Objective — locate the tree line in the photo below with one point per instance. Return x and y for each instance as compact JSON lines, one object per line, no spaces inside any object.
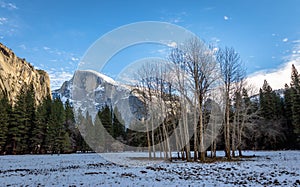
{"x":48,"y":127}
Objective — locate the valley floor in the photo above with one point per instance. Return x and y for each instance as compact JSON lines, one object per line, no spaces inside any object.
{"x":268,"y":168}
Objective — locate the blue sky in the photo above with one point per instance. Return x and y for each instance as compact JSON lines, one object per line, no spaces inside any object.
{"x":54,"y":35}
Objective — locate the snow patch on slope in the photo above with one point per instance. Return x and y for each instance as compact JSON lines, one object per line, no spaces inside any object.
{"x":102,"y":76}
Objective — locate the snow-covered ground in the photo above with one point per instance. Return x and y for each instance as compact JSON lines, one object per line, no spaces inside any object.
{"x":266,"y":169}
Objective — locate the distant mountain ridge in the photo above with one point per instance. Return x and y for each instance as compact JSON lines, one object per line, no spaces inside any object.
{"x":16,"y":72}
{"x":91,"y":91}
{"x":99,"y":85}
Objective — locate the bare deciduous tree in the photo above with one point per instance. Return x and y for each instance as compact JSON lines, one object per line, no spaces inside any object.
{"x":199,"y":70}
{"x":230,"y":66}
{"x":177,"y":57}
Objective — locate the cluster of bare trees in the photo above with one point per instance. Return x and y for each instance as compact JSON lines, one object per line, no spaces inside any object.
{"x":155,"y":92}
{"x":189,"y":101}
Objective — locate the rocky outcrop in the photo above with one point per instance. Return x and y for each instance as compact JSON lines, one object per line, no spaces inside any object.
{"x":88,"y":86}
{"x":90,"y":91}
{"x":16,"y":72}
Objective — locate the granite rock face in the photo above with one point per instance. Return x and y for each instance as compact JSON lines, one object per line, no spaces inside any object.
{"x":16,"y":73}
{"x":90,"y":91}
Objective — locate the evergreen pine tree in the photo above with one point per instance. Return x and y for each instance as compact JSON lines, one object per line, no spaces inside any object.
{"x":55,"y":127}
{"x":101,"y":139}
{"x":70,"y":127}
{"x":105,"y":116}
{"x":288,"y":104}
{"x":295,"y":83}
{"x":19,"y":126}
{"x":266,"y":101}
{"x":39,"y":131}
{"x":81,"y":133}
{"x":69,"y":114}
{"x":4,"y":121}
{"x":288,"y":115}
{"x":91,"y":135}
{"x":31,"y":115}
{"x":278,"y":106}
{"x":295,"y":93}
{"x":246,"y":101}
{"x":67,"y":144}
{"x":118,"y":125}
{"x":271,"y":128}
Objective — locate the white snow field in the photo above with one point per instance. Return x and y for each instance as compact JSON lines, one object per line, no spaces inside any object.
{"x":268,"y":168}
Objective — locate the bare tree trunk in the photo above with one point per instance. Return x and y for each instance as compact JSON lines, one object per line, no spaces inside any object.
{"x":230,"y":66}
{"x":148,"y":137}
{"x":215,"y":121}
{"x":212,"y":142}
{"x":201,"y":137}
{"x":240,"y":130}
{"x":182,"y":138}
{"x":177,"y":141}
{"x":227,"y":129}
{"x":152,"y":135}
{"x":239,"y":141}
{"x":168,"y":151}
{"x":238,"y":133}
{"x":184,"y":115}
{"x":161,"y":147}
{"x":236,"y":128}
{"x":233,"y":140}
{"x":233,"y":134}
{"x":214,"y":149}
{"x":195,"y":130}
{"x":187,"y":137}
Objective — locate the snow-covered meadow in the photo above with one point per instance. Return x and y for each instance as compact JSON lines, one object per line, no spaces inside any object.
{"x":266,"y":169}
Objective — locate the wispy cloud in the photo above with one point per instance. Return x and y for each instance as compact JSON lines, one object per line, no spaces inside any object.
{"x":52,"y":58}
{"x":294,"y":56}
{"x":215,"y":40}
{"x":67,"y":61}
{"x":58,"y":77}
{"x":285,"y":39}
{"x":58,"y":55}
{"x":8,"y":24}
{"x":46,"y":48}
{"x":208,"y":8}
{"x":23,"y":46}
{"x":172,"y":17}
{"x":8,"y":5}
{"x":226,"y":18}
{"x":279,"y":76}
{"x":74,"y":59}
{"x":3,"y":20}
